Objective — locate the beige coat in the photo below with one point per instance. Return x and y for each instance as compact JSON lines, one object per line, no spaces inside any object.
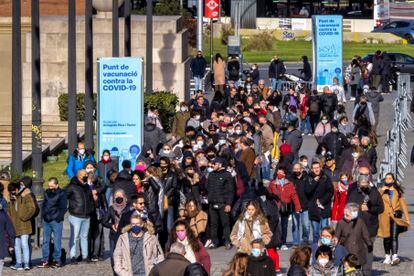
{"x":198,"y":223}
{"x":219,"y":72}
{"x":243,"y":245}
{"x":153,"y":254}
{"x":398,"y":203}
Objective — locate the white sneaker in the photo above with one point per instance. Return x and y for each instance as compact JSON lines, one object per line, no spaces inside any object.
{"x":387,"y":259}
{"x":395,"y":260}
{"x":352,"y":99}
{"x":284,"y":247}
{"x":207,"y":244}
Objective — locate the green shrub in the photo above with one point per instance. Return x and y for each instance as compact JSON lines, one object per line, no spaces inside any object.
{"x":165,"y":101}
{"x":226,"y":31}
{"x":80,"y":106}
{"x":262,"y":41}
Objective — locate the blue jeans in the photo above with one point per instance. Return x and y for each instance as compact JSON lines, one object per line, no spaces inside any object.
{"x":305,"y":126}
{"x":275,"y":83}
{"x":285,"y":221}
{"x":265,"y":168}
{"x":317,"y":226}
{"x":300,"y":221}
{"x":197,"y":83}
{"x":108,"y":195}
{"x":79,"y":229}
{"x":170,"y":217}
{"x":49,"y":228}
{"x":22,"y":244}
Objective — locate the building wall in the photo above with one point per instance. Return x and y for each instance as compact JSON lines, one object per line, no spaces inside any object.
{"x":47,"y":7}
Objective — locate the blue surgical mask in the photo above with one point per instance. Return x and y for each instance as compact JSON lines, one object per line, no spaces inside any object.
{"x":209,"y":169}
{"x":256,"y":252}
{"x":136,"y":229}
{"x":325,"y":241}
{"x":345,"y":182}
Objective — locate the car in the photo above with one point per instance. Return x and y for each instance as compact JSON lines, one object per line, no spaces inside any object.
{"x":402,"y":28}
{"x":403,"y":62}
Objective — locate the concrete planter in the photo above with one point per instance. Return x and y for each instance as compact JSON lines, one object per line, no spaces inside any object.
{"x":105,"y":5}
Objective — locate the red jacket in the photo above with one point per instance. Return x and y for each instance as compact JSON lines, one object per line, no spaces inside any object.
{"x":287,"y":193}
{"x":203,"y":257}
{"x":338,"y":204}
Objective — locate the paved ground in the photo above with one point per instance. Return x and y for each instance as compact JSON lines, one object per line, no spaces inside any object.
{"x":221,"y":257}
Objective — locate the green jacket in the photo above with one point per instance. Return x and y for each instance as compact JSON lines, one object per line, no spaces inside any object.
{"x":21,"y":210}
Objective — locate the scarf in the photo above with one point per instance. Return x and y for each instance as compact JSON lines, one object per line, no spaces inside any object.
{"x":342,"y":187}
{"x":118,"y":208}
{"x":256,"y":231}
{"x":189,"y":252}
{"x":105,"y":161}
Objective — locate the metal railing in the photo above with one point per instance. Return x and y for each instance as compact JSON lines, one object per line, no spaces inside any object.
{"x":396,"y":149}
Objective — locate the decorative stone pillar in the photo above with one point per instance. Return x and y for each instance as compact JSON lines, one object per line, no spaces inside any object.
{"x":104,"y":7}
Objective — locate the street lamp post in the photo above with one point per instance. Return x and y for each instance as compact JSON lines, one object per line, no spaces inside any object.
{"x":17,"y":162}
{"x":200,"y":8}
{"x":89,"y":106}
{"x":72,"y":120}
{"x":127,"y":29}
{"x":148,"y":66}
{"x":115,"y":29}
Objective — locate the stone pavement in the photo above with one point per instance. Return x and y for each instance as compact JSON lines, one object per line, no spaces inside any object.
{"x":220,"y":257}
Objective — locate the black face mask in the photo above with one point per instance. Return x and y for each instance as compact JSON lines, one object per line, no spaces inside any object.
{"x":365,"y":190}
{"x":256,"y":110}
{"x":211,"y":156}
{"x":119,"y":200}
{"x":190,"y":174}
{"x":296,"y":174}
{"x":363,"y":103}
{"x":203,"y":168}
{"x":85,"y":179}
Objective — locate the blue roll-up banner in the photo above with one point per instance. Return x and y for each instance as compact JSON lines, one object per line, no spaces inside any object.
{"x":327,"y":49}
{"x":120,"y":107}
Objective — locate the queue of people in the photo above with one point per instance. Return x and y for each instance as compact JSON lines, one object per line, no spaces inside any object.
{"x":233,"y":174}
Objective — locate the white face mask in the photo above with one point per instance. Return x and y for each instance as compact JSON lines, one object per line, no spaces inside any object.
{"x":81,"y":151}
{"x":230,"y":131}
{"x":197,"y":117}
{"x":89,"y":170}
{"x":167,"y":151}
{"x":323,"y":152}
{"x":323,"y":262}
{"x":200,"y":143}
{"x":209,"y":169}
{"x":324,"y":122}
{"x":222,"y":142}
{"x":238,"y":131}
{"x":355,"y":155}
{"x":184,"y":109}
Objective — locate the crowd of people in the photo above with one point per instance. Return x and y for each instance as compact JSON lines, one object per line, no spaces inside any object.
{"x":231,"y":173}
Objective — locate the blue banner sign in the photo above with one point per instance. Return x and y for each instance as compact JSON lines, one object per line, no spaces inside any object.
{"x":120,"y":108}
{"x":327,"y":49}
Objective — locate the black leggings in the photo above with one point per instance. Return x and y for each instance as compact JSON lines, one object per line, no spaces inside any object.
{"x":391,"y":243}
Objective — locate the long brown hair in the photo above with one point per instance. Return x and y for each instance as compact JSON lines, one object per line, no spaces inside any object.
{"x":192,"y":240}
{"x":258,"y":214}
{"x":238,"y":265}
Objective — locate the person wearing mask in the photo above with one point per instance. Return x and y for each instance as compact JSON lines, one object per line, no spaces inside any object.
{"x":80,"y":208}
{"x":198,"y":68}
{"x":197,"y":219}
{"x":376,"y":69}
{"x":338,"y":90}
{"x":180,"y":119}
{"x":299,"y":261}
{"x":118,"y":207}
{"x":259,"y":263}
{"x":138,"y":208}
{"x":340,"y":197}
{"x":247,"y":155}
{"x":322,"y":129}
{"x":371,"y":153}
{"x":394,"y":220}
{"x":124,"y":181}
{"x":220,"y":189}
{"x":371,"y":206}
{"x":152,"y":188}
{"x":53,"y":213}
{"x":330,"y":169}
{"x":219,"y":67}
{"x":255,"y":73}
{"x":78,"y":160}
{"x":277,"y":70}
{"x":304,"y":163}
{"x":170,"y":183}
{"x":364,"y":111}
{"x":351,"y":164}
{"x":344,"y":126}
{"x":96,"y":244}
{"x":354,"y":78}
{"x":324,"y":264}
{"x":153,"y":136}
{"x":289,"y":200}
{"x":21,"y":210}
{"x":251,"y":225}
{"x":353,"y":234}
{"x":137,"y":250}
{"x":238,"y":265}
{"x":306,"y":71}
{"x":175,"y":264}
{"x":329,"y":102}
{"x":375,"y":98}
{"x":105,"y":165}
{"x":328,"y":238}
{"x":300,"y":220}
{"x":194,"y":248}
{"x":319,"y":190}
{"x":335,"y":141}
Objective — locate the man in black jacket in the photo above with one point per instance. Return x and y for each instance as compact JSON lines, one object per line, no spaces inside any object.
{"x":300,"y":220}
{"x":371,"y":206}
{"x":220,"y":188}
{"x":335,"y":141}
{"x":259,"y":263}
{"x":80,"y":208}
{"x":329,"y":102}
{"x":319,"y":189}
{"x":124,"y":181}
{"x":138,"y":208}
{"x":277,"y":70}
{"x":53,"y":212}
{"x":198,"y":68}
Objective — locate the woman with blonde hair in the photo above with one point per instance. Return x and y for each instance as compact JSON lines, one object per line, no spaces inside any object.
{"x":238,"y":265}
{"x":251,"y":225}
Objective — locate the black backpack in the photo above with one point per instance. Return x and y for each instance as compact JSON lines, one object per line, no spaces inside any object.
{"x":195,"y":269}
